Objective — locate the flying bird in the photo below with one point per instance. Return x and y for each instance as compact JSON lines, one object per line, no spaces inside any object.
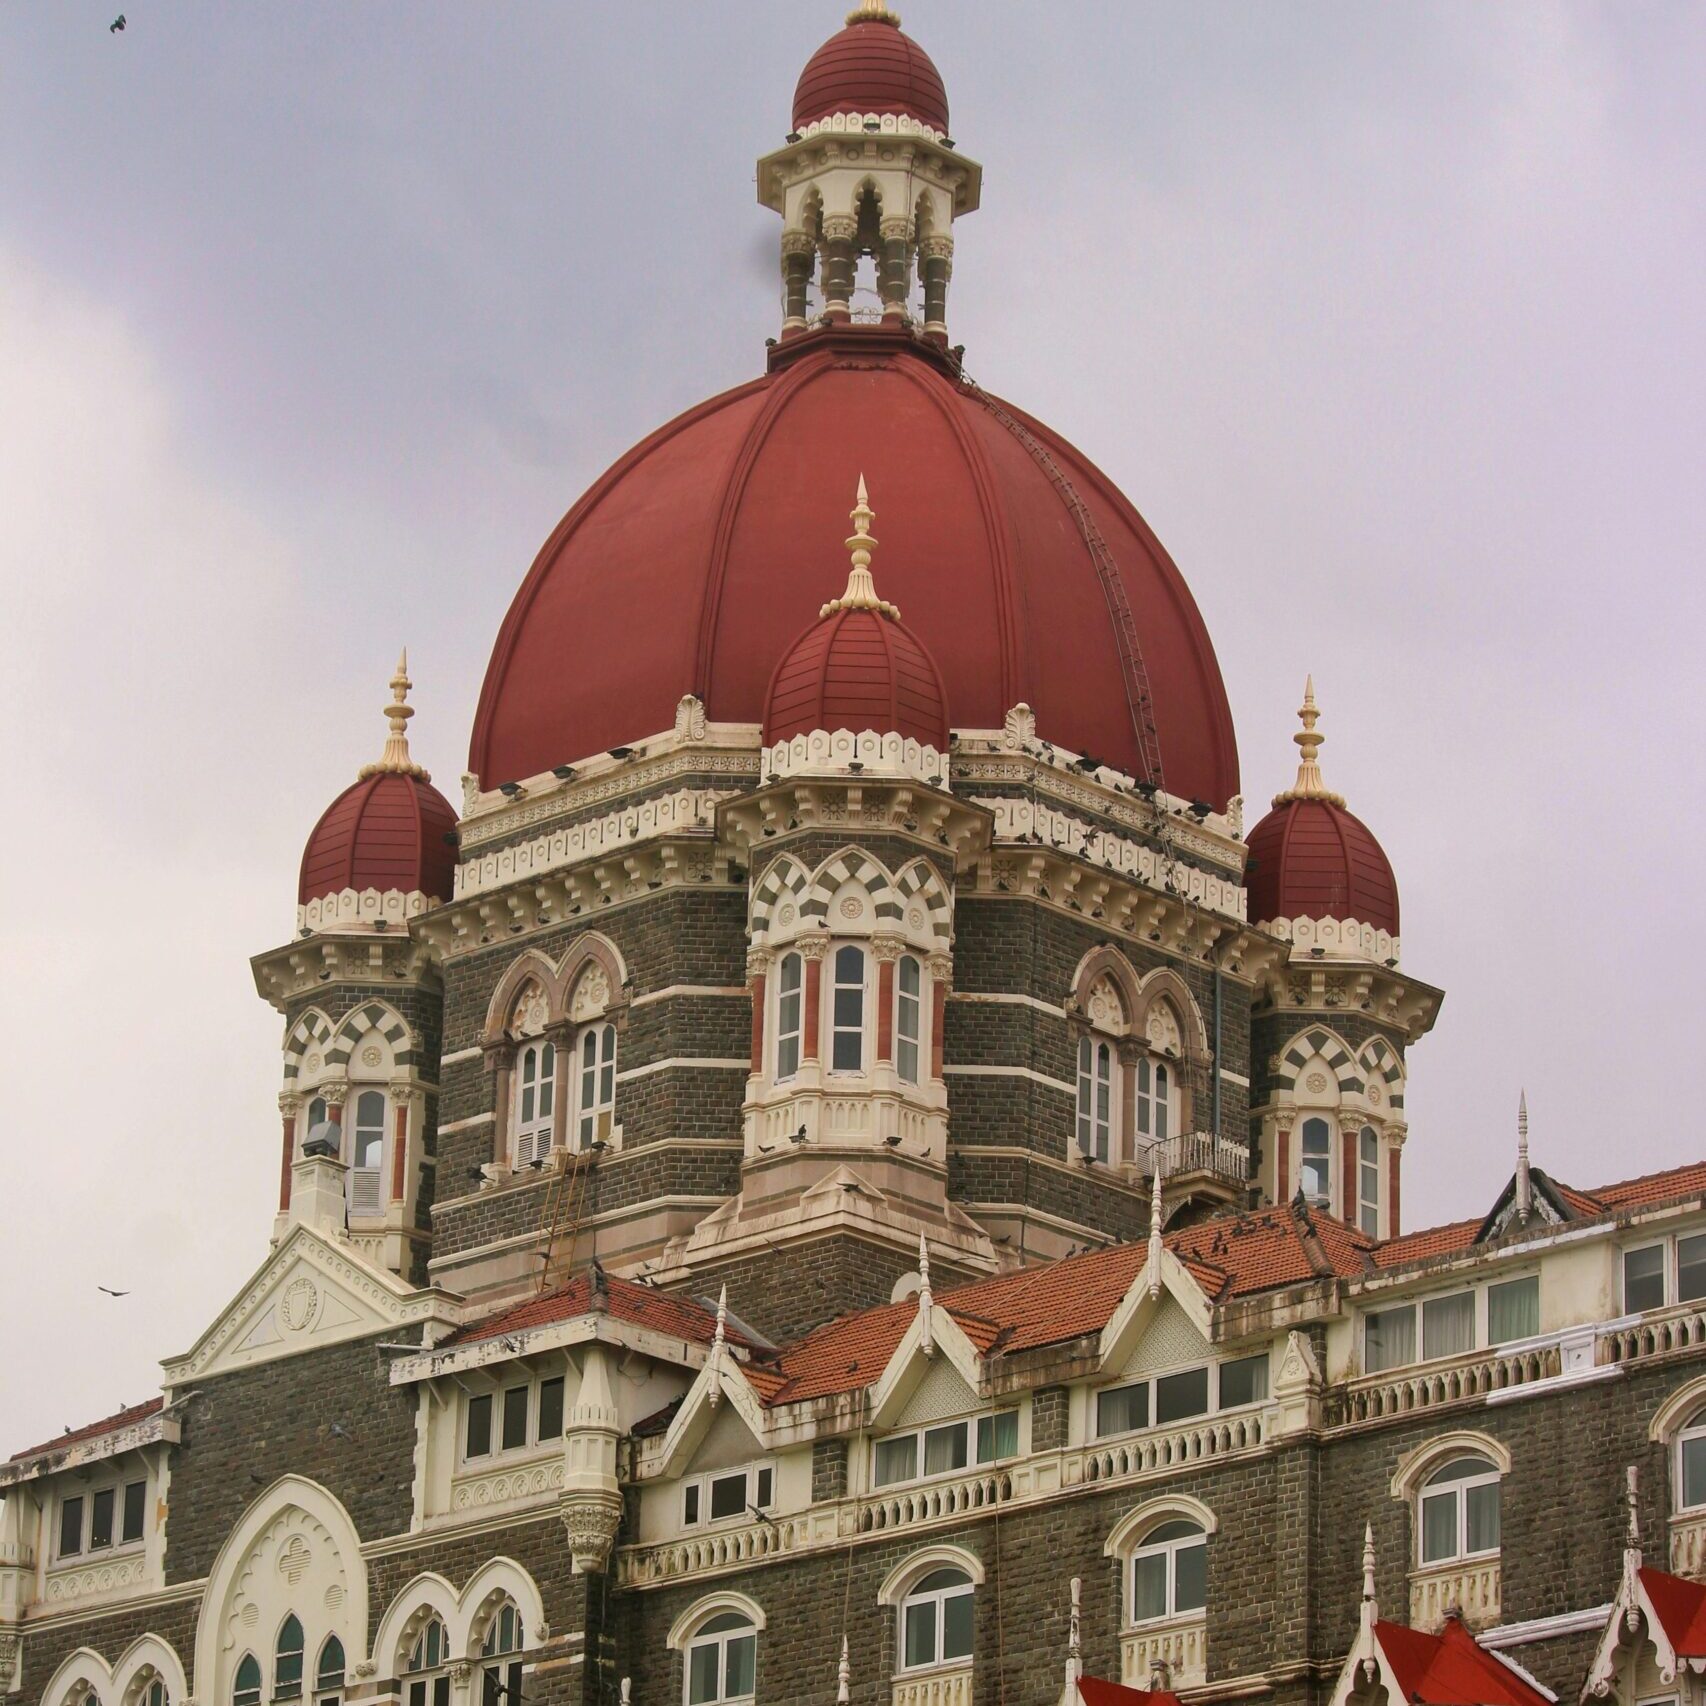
{"x":107,"y":1288}
{"x":116,"y":25}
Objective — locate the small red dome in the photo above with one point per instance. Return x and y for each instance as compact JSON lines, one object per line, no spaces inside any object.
{"x":870,"y":67}
{"x":1313,"y":859}
{"x":384,"y":832}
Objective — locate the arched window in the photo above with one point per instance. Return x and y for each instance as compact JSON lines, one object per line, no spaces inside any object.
{"x":316,"y":1115}
{"x":1095,"y":1098}
{"x":789,"y":1016}
{"x":595,"y":1098}
{"x":426,"y":1675}
{"x":1154,"y":1100}
{"x":908,"y":1017}
{"x":722,"y":1660}
{"x":500,"y":1654}
{"x":287,"y":1660}
{"x":1315,"y":1178}
{"x":151,"y":1690}
{"x":367,"y":1152}
{"x":246,"y":1689}
{"x":1169,"y":1572}
{"x":1368,"y":1181}
{"x":535,"y":1100}
{"x":1458,"y":1511}
{"x":936,"y":1620}
{"x":1691,"y":1464}
{"x":329,"y":1672}
{"x":847,"y":1012}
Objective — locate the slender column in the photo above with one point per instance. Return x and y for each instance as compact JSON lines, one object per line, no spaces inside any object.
{"x":756,"y":964}
{"x":1282,"y":1160}
{"x":288,"y":1105}
{"x":400,"y":1148}
{"x":562,"y":1081}
{"x":500,"y":1063}
{"x":886,"y":950}
{"x":936,"y":262}
{"x":941,"y":970}
{"x":1348,"y":1175}
{"x":799,"y":249}
{"x":891,"y":282}
{"x":1392,"y":1221}
{"x":840,"y":232}
{"x":812,"y":949}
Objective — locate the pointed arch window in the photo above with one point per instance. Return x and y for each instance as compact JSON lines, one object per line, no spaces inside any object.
{"x":595,"y":1090}
{"x":847,"y":1011}
{"x":246,"y":1688}
{"x":908,"y":1017}
{"x":154,"y":1692}
{"x":329,"y":1672}
{"x":1096,"y":1104}
{"x":1315,"y":1177}
{"x":790,"y":1015}
{"x":316,"y":1115}
{"x":367,"y":1152}
{"x":427,"y":1676}
{"x":535,"y":1100}
{"x":287,"y":1660}
{"x":500,"y":1658}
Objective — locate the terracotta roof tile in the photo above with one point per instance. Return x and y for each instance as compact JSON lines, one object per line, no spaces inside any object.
{"x":1668,"y":1186}
{"x":673,"y":1313}
{"x":1681,"y":1607}
{"x":107,"y":1425}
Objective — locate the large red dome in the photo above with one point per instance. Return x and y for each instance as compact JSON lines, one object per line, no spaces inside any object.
{"x":689,"y":565}
{"x":870,"y":67}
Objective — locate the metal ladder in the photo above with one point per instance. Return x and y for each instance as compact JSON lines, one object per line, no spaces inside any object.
{"x":559,"y":1215}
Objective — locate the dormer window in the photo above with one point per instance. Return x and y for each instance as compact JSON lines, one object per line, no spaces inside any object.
{"x":102,"y":1520}
{"x":535,"y":1100}
{"x":595,"y":1100}
{"x":847,"y":1011}
{"x":790,"y":1013}
{"x":728,"y":1494}
{"x":924,"y":1453}
{"x":522,"y":1414}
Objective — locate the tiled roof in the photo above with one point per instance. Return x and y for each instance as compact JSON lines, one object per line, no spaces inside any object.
{"x":1452,"y":1669}
{"x":94,"y":1430}
{"x":1430,"y":1241}
{"x":1093,"y":1691}
{"x":1268,"y":1248}
{"x":1669,"y":1186}
{"x":1681,"y":1607}
{"x":672,"y":1313}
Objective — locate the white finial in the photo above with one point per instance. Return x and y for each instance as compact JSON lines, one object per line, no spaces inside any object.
{"x":1309,"y":785}
{"x":873,"y":12}
{"x":1074,"y":1652}
{"x":1368,"y":1565}
{"x":1524,"y":1183}
{"x":395,"y":759}
{"x":843,"y":1676}
{"x":715,"y":1361}
{"x":861,"y":593}
{"x":1369,"y":1615}
{"x":1155,"y":1207}
{"x":1632,"y":1550}
{"x":926,"y":1303}
{"x":627,"y":1689}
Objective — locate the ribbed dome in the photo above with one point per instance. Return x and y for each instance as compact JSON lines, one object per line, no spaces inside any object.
{"x":686,"y":569}
{"x":870,"y":67}
{"x":383,"y":832}
{"x":1314,"y":859}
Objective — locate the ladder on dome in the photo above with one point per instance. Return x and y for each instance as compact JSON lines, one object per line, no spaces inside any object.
{"x":560,"y":1214}
{"x":1135,"y":675}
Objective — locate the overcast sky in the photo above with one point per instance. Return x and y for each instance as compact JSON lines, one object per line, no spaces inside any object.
{"x":315,"y":317}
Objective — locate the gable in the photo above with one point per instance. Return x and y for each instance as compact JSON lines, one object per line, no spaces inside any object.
{"x":727,"y":1441}
{"x":1170,"y":1338}
{"x":941,"y":1393}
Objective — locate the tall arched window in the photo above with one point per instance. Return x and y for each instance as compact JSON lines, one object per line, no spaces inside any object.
{"x":500,"y":1658}
{"x":1315,"y":1177}
{"x":790,"y":1013}
{"x":1368,"y":1181}
{"x":329,"y":1672}
{"x":1095,"y":1098}
{"x":595,"y":1090}
{"x":1458,"y":1511}
{"x":722,"y":1660}
{"x":151,"y":1690}
{"x":427,"y":1678}
{"x":535,"y":1100}
{"x":367,"y":1152}
{"x":936,"y":1620}
{"x":287,"y":1660}
{"x":246,"y":1688}
{"x":908,"y":1017}
{"x":847,"y":1012}
{"x":1154,"y":1099}
{"x":1169,"y":1572}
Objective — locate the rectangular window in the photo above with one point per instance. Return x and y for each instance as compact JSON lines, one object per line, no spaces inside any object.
{"x":1691,"y":1268}
{"x":921,"y":1634}
{"x":1694,"y":1472}
{"x":1121,"y":1410}
{"x":945,"y":1449}
{"x":907,"y":1019}
{"x":551,"y":1409}
{"x":766,"y":1488}
{"x":101,"y":1519}
{"x":847,"y":1012}
{"x":998,"y":1436}
{"x":897,"y":1459}
{"x":1644,"y":1278}
{"x":1178,"y":1396}
{"x":515,"y":1417}
{"x":1244,"y":1381}
{"x":1513,"y":1310}
{"x":70,"y":1527}
{"x":740,"y":1669}
{"x":956,"y":1626}
{"x":690,"y":1503}
{"x":1448,"y":1325}
{"x":788,"y":1014}
{"x":1389,"y":1338}
{"x":1483,"y":1517}
{"x":728,"y":1496}
{"x":479,"y":1441}
{"x":135,"y":1508}
{"x":1439,"y":1526}
{"x":1149,"y":1587}
{"x":1190,"y":1578}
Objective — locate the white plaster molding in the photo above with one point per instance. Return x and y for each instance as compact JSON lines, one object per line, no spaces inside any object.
{"x":1011,"y":1072}
{"x":457,"y":1057}
{"x":350,"y":909}
{"x":1132,"y":1527}
{"x":689,"y":1062}
{"x":1335,"y":936}
{"x":710,"y":1605}
{"x":880,"y":755}
{"x":162,"y":1426}
{"x":897,"y":1584}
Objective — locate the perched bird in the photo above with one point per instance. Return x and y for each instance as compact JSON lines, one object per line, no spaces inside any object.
{"x":800,"y":1135}
{"x":107,"y":1288}
{"x":893,"y":1140}
{"x":116,"y":25}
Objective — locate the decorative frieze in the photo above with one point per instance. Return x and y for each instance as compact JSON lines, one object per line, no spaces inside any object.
{"x":951,"y":1687}
{"x":833,"y":751}
{"x":1470,"y":1588}
{"x":350,"y":909}
{"x":1166,"y":1656}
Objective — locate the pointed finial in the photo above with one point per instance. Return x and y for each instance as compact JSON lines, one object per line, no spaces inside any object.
{"x":1309,"y":785}
{"x":714,"y":1363}
{"x":843,"y":1676}
{"x":861,"y":593}
{"x":1524,"y":1181}
{"x":926,"y":1303}
{"x":395,"y":759}
{"x":1632,"y":1560}
{"x":627,"y":1689}
{"x":1074,"y":1651}
{"x":1368,"y":1564}
{"x":1155,"y":1207}
{"x":873,"y":12}
{"x":1632,"y":1498}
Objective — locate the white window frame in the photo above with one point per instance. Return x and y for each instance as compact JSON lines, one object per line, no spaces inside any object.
{"x":498,"y":1394}
{"x":1670,"y":1244}
{"x":366,"y":1180}
{"x":965,"y":1588}
{"x":534,"y":1099}
{"x":327,"y":1690}
{"x":905,"y":1039}
{"x":835,"y":1030}
{"x":1696,"y":1430}
{"x":1368,"y":1200}
{"x":500,"y":1667}
{"x":1157,"y":1098}
{"x":1152,"y":1382}
{"x":1480,"y":1339}
{"x":789,"y":1032}
{"x":280,"y":1689}
{"x":1325,"y":1201}
{"x":1169,"y":1549}
{"x":1096,"y":1133}
{"x":241,"y":1696}
{"x":759,"y":1494}
{"x":595,"y":1107}
{"x":973,"y":1461}
{"x":118,"y":1545}
{"x":721,"y":1639}
{"x":430,"y":1684}
{"x":1459,"y":1490}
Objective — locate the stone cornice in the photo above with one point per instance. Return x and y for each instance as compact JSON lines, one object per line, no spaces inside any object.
{"x":1327,"y":986}
{"x":160,"y":1428}
{"x":882,"y":805}
{"x":380,"y":958}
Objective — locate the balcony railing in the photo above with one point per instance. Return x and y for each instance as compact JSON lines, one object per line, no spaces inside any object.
{"x":1156,"y":1453}
{"x":934,"y":1688}
{"x":1657,"y":1334}
{"x":1166,"y":1656}
{"x":1202,"y":1152}
{"x":1426,"y":1386}
{"x":1688,"y":1544}
{"x":1470,"y":1586}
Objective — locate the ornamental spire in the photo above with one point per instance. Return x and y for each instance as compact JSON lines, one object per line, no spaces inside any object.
{"x":1524,"y":1180}
{"x":1155,"y":1222}
{"x":926,"y":1302}
{"x":714,"y":1362}
{"x":395,"y":759}
{"x":861,"y":593}
{"x":873,"y":12}
{"x":844,"y":1676}
{"x":1309,"y":785}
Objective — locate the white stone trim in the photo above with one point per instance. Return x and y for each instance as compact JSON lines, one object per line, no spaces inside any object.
{"x":693,"y":1061}
{"x":350,"y":909}
{"x":468,"y":1124}
{"x":674,"y":989}
{"x":881,"y":756}
{"x":458,"y":1057}
{"x":1012,"y":1072}
{"x":1546,"y":1628}
{"x":996,"y":998}
{"x":1335,"y":936}
{"x":888,"y":124}
{"x":51,"y":1459}
{"x":710,"y":1605}
{"x":897,"y":1584}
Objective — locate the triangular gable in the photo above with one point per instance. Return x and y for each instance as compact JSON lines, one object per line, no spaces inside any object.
{"x":1094,"y":1691}
{"x":721,"y":1378}
{"x":311,"y":1291}
{"x":726,"y":1442}
{"x":1654,"y":1612}
{"x":1139,"y":1308}
{"x":1551,"y":1207}
{"x":942,"y":1392}
{"x":1413,"y":1668}
{"x":1169,"y":1339}
{"x":910,"y":1363}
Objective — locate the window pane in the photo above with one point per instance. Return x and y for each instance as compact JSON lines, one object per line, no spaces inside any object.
{"x":135,"y":1506}
{"x":551,"y":1408}
{"x":70,"y":1527}
{"x":766,"y":1488}
{"x":897,"y":1459}
{"x":441,"y":1691}
{"x":849,"y":1051}
{"x":921,"y":1634}
{"x":1513,"y":1310}
{"x":1121,"y":1409}
{"x":1448,"y":1325}
{"x":479,"y":1425}
{"x":1483,"y":1517}
{"x":1190,"y":1580}
{"x":702,"y":1672}
{"x":1694,"y":1471}
{"x":1180,"y":1395}
{"x":101,"y":1518}
{"x":329,"y":1672}
{"x":1389,"y":1338}
{"x":1644,"y":1278}
{"x":1244,"y":1381}
{"x":956,"y":1626}
{"x":998,"y":1436}
{"x":945,"y":1449}
{"x":515,"y":1417}
{"x":741,"y":1668}
{"x":728,"y":1496}
{"x":690,"y":1503}
{"x":1690,"y":1268}
{"x":1439,"y":1527}
{"x":1149,"y":1587}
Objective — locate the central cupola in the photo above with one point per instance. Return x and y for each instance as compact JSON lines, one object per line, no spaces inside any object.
{"x":869,"y":172}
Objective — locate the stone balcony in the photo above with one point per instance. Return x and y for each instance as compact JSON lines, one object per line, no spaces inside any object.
{"x":1198,"y":1163}
{"x":1466,"y":1585}
{"x":947,"y":1687}
{"x":1688,"y":1544}
{"x":1169,"y":1655}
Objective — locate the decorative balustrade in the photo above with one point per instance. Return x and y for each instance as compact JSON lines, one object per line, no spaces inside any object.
{"x":1155,"y":1453}
{"x":1201,"y":1152}
{"x":1178,"y":1651}
{"x":907,"y":1507}
{"x":1470,"y":1587}
{"x":728,"y":1548}
{"x":1658,"y":1334}
{"x":1688,"y":1544}
{"x":1424,"y":1386}
{"x":934,"y":1688}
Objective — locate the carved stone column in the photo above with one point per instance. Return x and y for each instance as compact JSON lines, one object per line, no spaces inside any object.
{"x":896,"y":255}
{"x":941,"y":970}
{"x":886,"y":951}
{"x":840,"y":232}
{"x":289,"y":1106}
{"x":591,"y":1501}
{"x":500,"y":1066}
{"x":799,"y":250}
{"x":811,"y":950}
{"x":757,"y":971}
{"x":936,"y":264}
